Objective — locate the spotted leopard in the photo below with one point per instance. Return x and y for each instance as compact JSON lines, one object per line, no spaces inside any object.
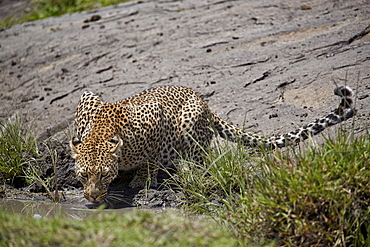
{"x":157,"y":125}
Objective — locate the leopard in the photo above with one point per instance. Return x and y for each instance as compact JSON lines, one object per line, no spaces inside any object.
{"x":155,"y":127}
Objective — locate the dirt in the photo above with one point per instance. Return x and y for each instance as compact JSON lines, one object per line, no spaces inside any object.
{"x":267,"y":66}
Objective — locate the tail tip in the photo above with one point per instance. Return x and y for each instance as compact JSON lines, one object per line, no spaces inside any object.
{"x":345,"y":108}
{"x":343,"y":91}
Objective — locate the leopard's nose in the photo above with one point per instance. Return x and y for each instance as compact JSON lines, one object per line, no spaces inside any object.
{"x":95,"y":194}
{"x":94,"y":199}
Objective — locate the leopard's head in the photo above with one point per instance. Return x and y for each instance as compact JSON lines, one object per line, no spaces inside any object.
{"x":96,"y":165}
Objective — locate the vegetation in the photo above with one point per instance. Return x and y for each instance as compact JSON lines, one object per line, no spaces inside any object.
{"x":9,"y":21}
{"x":33,"y":175}
{"x":47,"y":8}
{"x":319,"y":197}
{"x":18,"y":149}
{"x":139,"y":228}
{"x":17,"y":143}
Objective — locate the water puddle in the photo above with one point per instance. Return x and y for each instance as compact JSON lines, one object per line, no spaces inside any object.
{"x":74,"y":207}
{"x":39,"y":209}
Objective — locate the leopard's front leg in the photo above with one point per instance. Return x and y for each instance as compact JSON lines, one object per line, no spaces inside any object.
{"x":146,"y":176}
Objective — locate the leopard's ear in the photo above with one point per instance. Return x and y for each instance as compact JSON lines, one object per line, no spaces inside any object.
{"x":74,"y":147}
{"x":118,"y":143}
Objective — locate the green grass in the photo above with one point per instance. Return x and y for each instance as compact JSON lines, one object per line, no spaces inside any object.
{"x":17,"y":143}
{"x":33,"y":173}
{"x":9,"y":21}
{"x":317,"y":197}
{"x":18,"y":149}
{"x":48,"y":8}
{"x":141,"y":228}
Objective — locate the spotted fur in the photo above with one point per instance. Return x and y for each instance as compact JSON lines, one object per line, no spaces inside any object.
{"x":156,"y":126}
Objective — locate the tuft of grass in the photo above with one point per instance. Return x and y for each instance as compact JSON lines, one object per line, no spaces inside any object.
{"x":139,"y":228}
{"x":317,"y":197}
{"x":48,"y":8}
{"x":17,"y":142}
{"x":42,"y":9}
{"x":33,"y":171}
{"x":9,"y":21}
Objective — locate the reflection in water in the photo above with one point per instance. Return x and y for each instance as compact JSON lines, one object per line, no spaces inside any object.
{"x":39,"y":209}
{"x":75,"y":206}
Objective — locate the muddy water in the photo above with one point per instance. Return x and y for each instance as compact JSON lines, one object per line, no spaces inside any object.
{"x":39,"y":209}
{"x":74,"y":207}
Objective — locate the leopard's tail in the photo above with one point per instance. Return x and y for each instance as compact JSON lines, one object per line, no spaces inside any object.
{"x":344,"y":111}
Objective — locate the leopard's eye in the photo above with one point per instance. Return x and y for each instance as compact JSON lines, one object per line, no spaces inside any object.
{"x":104,"y":174}
{"x":84,"y":175}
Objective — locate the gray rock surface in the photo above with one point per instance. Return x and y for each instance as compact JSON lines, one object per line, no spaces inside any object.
{"x":266,"y":65}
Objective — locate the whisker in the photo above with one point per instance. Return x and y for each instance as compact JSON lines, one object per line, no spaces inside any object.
{"x":116,"y":197}
{"x":106,"y":200}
